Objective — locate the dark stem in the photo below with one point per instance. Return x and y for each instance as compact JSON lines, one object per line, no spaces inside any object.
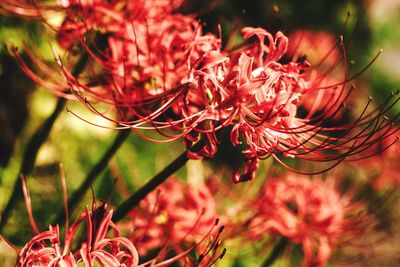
{"x":92,"y":175}
{"x":276,"y":252}
{"x":29,"y":158}
{"x":152,"y":184}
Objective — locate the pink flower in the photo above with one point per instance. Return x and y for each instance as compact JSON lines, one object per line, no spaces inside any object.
{"x":37,"y":253}
{"x":98,"y":248}
{"x":141,"y":46}
{"x":251,"y":91}
{"x":177,"y":214}
{"x":114,"y":251}
{"x":309,"y":212}
{"x":258,"y":97}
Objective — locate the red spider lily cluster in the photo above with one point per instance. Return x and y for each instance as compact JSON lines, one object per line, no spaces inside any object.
{"x":159,"y":71}
{"x":306,"y":211}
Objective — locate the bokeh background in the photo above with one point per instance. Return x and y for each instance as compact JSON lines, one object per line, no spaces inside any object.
{"x":373,"y":25}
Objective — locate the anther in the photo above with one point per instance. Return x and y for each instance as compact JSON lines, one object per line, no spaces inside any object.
{"x":223,"y":253}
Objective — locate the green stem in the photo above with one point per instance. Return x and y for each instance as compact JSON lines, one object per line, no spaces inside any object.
{"x":276,"y":252}
{"x":92,"y":175}
{"x":123,"y":209}
{"x":29,"y":158}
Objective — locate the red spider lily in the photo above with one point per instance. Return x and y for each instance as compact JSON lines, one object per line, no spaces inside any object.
{"x":82,"y":17}
{"x":151,"y":61}
{"x":44,"y":249}
{"x":149,"y":56}
{"x":35,"y":253}
{"x":309,"y":212}
{"x":142,"y":66}
{"x":121,"y":251}
{"x":145,"y":53}
{"x":260,"y":98}
{"x":115,"y":251}
{"x":177,"y":214}
{"x":38,"y":253}
{"x":141,"y":49}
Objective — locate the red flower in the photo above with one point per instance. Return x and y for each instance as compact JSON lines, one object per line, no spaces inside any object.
{"x":37,"y":253}
{"x":251,"y":91}
{"x":177,"y":214}
{"x":309,"y":212}
{"x":113,"y":251}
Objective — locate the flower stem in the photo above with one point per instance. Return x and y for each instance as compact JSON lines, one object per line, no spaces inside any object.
{"x":276,"y":252}
{"x":29,"y":158}
{"x":92,"y":175}
{"x":123,"y":209}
